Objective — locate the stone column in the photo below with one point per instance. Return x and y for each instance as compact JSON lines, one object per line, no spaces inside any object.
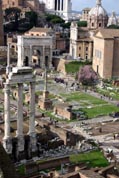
{"x":20,"y":47}
{"x":43,"y":61}
{"x":8,"y":68}
{"x":32,"y":132}
{"x":90,"y":50}
{"x":7,"y":141}
{"x":19,"y":133}
{"x":30,"y":57}
{"x":50,"y":58}
{"x":57,"y":5}
{"x":83,"y":55}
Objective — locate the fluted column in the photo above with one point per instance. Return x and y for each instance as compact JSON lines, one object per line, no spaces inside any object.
{"x":30,"y":58}
{"x":32,"y":132}
{"x":7,"y":142}
{"x":32,"y":108}
{"x":7,"y":111}
{"x":43,"y":61}
{"x":57,"y":5}
{"x":19,"y":134}
{"x":20,"y":110}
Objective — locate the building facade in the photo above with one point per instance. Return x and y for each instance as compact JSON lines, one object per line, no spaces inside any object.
{"x":81,"y":39}
{"x":85,"y":13}
{"x":60,"y":7}
{"x":113,"y":19}
{"x":106,"y":53}
{"x":98,"y":17}
{"x":81,"y":42}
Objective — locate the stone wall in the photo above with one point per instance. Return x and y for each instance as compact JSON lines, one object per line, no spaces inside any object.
{"x":61,"y":66}
{"x":49,"y":164}
{"x":6,"y":165}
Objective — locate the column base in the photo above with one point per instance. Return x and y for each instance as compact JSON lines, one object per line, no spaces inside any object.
{"x":7,"y":144}
{"x":33,"y":141}
{"x":20,"y":143}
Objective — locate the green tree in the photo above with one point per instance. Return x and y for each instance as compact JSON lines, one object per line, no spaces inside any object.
{"x":113,"y":26}
{"x":54,"y":19}
{"x":66,"y":25}
{"x":33,"y":18}
{"x":82,"y":23}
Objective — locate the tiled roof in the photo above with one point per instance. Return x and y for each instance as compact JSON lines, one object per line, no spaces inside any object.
{"x":108,"y":33}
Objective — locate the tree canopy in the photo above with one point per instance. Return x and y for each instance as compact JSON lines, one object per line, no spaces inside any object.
{"x":113,"y":26}
{"x":54,"y":19}
{"x":82,"y":23}
{"x":87,"y":76}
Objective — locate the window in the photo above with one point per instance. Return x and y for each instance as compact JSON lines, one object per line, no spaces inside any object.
{"x":98,"y":54}
{"x":97,"y":69}
{"x":100,"y":24}
{"x":92,"y":24}
{"x":79,"y":55}
{"x":34,"y":61}
{"x":86,"y":56}
{"x":79,"y":48}
{"x":86,"y":48}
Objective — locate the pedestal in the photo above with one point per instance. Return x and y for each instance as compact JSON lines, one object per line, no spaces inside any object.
{"x":20,"y":148}
{"x":20,"y":143}
{"x":45,"y":104}
{"x":33,"y":145}
{"x":7,"y":144}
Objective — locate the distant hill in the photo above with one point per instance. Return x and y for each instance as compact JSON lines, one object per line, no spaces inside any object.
{"x":77,"y":12}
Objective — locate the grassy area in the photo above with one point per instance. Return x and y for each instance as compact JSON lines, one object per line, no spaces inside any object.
{"x":114,"y":93}
{"x":92,"y":106}
{"x":74,"y":66}
{"x":92,"y":159}
{"x":100,"y":110}
{"x":84,"y":98}
{"x":21,"y":170}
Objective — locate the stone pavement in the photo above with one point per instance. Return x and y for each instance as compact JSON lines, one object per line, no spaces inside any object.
{"x":106,"y":142}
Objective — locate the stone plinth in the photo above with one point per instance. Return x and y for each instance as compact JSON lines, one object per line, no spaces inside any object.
{"x":45,"y":94}
{"x":7,"y":144}
{"x":45,"y":103}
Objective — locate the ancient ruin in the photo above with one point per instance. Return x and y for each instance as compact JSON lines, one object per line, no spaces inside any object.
{"x":17,"y":76}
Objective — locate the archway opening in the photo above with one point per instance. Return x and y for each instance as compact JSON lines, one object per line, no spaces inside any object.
{"x":26,"y":61}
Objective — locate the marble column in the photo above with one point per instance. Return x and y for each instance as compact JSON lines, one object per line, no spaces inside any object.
{"x":7,"y":141}
{"x":50,"y":58}
{"x":8,"y":68}
{"x":43,"y":61}
{"x":30,"y":56}
{"x":57,"y":5}
{"x":83,"y":54}
{"x":32,"y":132}
{"x":19,"y":133}
{"x":21,"y":56}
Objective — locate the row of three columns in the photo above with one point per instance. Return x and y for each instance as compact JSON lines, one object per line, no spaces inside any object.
{"x":7,"y":140}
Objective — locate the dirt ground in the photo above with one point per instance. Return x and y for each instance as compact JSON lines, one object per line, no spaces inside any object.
{"x":105,"y":128}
